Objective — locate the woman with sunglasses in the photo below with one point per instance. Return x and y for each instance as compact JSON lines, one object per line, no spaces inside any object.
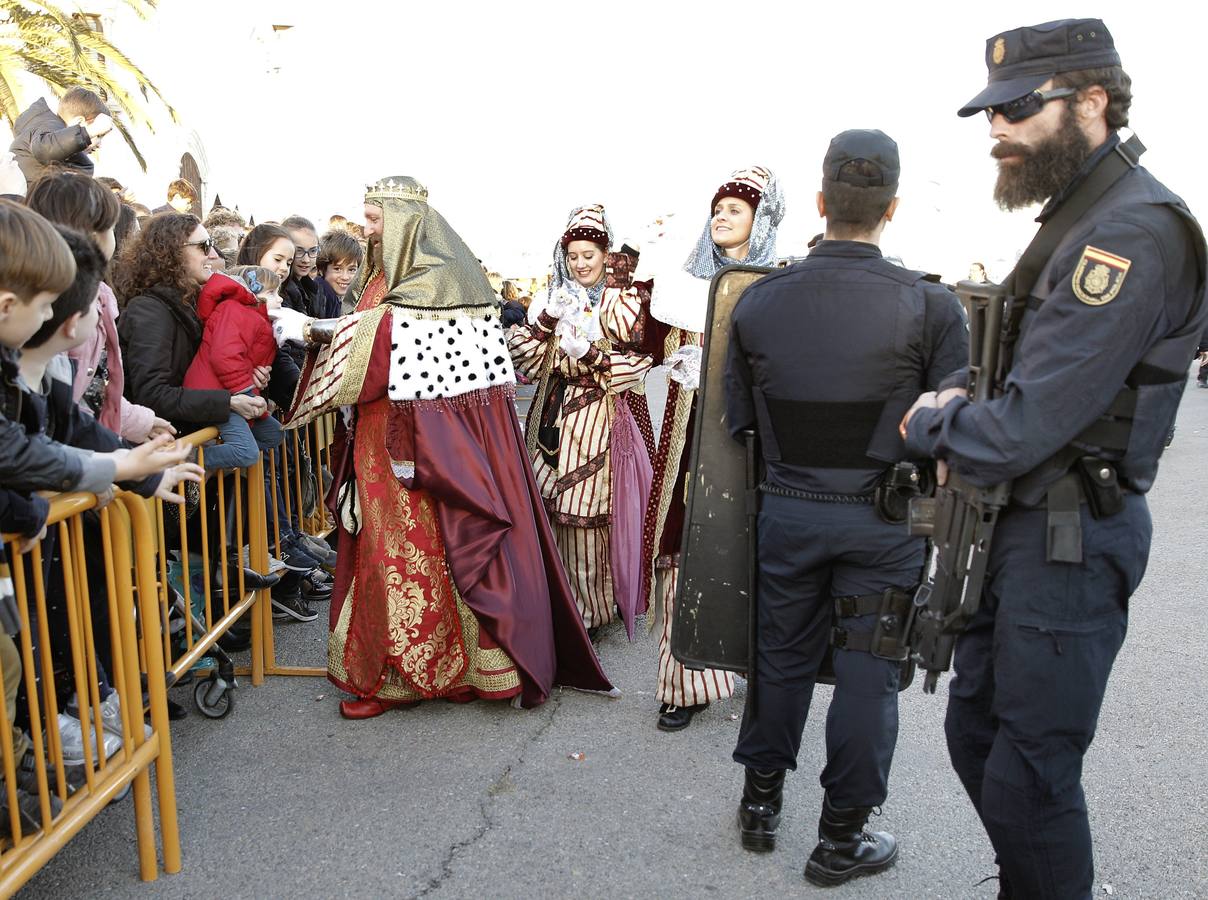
{"x":158,"y":278}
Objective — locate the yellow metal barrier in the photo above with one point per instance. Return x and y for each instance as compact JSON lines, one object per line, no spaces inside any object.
{"x":139,"y":551}
{"x":222,"y":603}
{"x":69,"y":796}
{"x":312,"y":444}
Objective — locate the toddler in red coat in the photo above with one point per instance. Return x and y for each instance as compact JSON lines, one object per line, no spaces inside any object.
{"x":238,"y":339}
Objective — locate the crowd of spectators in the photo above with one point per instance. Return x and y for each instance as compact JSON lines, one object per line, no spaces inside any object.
{"x":121,"y":330}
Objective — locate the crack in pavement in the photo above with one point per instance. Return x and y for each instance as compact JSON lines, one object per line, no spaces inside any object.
{"x":502,"y":784}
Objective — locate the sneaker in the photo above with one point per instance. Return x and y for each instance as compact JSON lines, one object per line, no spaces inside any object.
{"x":252,"y":580}
{"x":238,"y":637}
{"x":292,"y":606}
{"x":72,"y":734}
{"x":296,"y":559}
{"x":274,"y":565}
{"x":319,"y":549}
{"x":27,"y":776}
{"x":315,"y":591}
{"x":29,"y":809}
{"x":111,"y":715}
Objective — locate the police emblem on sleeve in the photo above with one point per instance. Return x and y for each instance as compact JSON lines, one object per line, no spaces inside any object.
{"x":1099,"y":276}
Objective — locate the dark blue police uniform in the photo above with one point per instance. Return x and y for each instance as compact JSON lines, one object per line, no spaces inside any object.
{"x":823,"y":355}
{"x":1113,"y":316}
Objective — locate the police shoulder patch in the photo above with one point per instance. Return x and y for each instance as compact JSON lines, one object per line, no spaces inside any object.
{"x":1099,"y":276}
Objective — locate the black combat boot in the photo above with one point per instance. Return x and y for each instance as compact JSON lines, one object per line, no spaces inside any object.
{"x":845,"y":850}
{"x":759,"y":812}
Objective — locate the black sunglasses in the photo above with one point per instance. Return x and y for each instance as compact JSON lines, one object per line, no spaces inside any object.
{"x":206,"y":246}
{"x":1027,"y":105}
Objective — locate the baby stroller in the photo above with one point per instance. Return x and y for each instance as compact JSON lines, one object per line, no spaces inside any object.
{"x":214,"y":694}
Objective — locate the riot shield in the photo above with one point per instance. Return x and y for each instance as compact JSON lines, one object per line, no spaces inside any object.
{"x":711,"y":628}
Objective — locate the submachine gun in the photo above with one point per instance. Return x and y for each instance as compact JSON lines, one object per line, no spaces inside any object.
{"x":960,"y":518}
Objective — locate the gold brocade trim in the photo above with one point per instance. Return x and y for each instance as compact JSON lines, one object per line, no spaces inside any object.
{"x":489,"y":671}
{"x":346,"y":366}
{"x":678,"y":438}
{"x":468,"y":311}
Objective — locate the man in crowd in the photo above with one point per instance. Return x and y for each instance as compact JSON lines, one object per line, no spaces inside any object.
{"x":182,"y":198}
{"x":43,"y":138}
{"x":1107,"y":306}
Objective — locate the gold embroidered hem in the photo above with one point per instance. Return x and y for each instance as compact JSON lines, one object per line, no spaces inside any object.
{"x":401,"y":625}
{"x":490,"y":672}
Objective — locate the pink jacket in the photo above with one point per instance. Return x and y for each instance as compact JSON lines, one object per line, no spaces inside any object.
{"x":118,"y":414}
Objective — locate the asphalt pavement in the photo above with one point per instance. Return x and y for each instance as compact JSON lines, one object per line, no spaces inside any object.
{"x":583,"y":797}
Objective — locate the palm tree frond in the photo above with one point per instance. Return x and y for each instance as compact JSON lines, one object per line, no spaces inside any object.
{"x":125,"y":133}
{"x":63,"y":50}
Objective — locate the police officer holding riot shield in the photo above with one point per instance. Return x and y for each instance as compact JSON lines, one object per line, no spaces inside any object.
{"x":1107,"y":310}
{"x":824,"y":358}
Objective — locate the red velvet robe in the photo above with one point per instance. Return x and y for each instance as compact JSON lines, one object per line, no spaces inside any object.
{"x":455,"y":588}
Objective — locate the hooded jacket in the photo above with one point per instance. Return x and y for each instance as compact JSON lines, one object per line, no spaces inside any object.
{"x":131,"y":421}
{"x":238,"y":337}
{"x":42,"y":139}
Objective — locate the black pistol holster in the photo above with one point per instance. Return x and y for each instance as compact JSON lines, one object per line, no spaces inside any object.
{"x":887,"y":640}
{"x":897,"y":487}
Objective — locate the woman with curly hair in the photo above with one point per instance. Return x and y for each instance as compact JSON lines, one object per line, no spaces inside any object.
{"x":158,"y":277}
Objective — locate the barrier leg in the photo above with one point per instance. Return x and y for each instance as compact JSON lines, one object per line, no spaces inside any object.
{"x":165,"y":775}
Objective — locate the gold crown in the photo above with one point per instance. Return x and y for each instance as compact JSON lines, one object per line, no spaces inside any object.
{"x":403,"y":187}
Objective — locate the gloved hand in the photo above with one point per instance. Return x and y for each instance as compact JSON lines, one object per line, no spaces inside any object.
{"x":11,"y":179}
{"x":99,"y":127}
{"x":571,"y":340}
{"x":287,"y":324}
{"x":684,"y":365}
{"x":564,"y":302}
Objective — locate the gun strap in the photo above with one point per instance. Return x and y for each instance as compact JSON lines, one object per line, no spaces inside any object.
{"x":1110,"y":169}
{"x":1023,"y":277}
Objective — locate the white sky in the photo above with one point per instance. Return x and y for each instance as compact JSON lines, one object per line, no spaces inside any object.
{"x":513,"y":112}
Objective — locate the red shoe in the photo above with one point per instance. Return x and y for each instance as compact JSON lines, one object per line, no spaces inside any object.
{"x":369,"y":707}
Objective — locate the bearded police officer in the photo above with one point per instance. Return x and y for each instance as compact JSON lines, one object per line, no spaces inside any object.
{"x":1107,"y":310}
{"x":824,"y":358}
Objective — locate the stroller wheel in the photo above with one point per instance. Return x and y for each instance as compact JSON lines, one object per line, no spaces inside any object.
{"x":214,"y":701}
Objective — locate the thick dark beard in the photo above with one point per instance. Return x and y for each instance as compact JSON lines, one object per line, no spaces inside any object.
{"x":374,"y":253}
{"x":1043,"y":170}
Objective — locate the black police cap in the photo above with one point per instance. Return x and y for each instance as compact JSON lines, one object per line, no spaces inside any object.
{"x":1020,"y":61}
{"x":866,"y":144}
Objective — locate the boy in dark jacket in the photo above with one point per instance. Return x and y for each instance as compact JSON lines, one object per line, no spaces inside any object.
{"x":42,"y":138}
{"x":46,"y":371}
{"x":36,"y":265}
{"x":48,"y":284}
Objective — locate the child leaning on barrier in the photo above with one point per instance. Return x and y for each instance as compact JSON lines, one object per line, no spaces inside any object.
{"x":36,"y":265}
{"x":48,"y":299}
{"x":238,"y":339}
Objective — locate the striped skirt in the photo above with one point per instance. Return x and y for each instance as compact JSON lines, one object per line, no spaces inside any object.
{"x":679,"y":686}
{"x":585,"y":553}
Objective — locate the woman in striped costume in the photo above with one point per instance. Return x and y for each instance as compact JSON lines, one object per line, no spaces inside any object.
{"x":579,"y":345}
{"x":741,"y":228}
